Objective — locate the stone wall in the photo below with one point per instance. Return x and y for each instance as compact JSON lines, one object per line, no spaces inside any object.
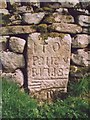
{"x":19,"y":20}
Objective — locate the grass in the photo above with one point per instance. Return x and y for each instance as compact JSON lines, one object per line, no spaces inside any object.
{"x":17,"y":104}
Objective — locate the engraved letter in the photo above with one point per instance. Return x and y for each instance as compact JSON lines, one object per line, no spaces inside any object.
{"x":34,"y":72}
{"x":60,"y":72}
{"x":35,"y":60}
{"x":46,"y":72}
{"x":41,"y":61}
{"x":53,"y":72}
{"x":56,"y":46}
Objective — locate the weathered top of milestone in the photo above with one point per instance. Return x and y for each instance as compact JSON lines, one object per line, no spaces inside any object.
{"x":48,"y":63}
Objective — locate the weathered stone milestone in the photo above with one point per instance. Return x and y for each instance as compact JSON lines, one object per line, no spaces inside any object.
{"x":45,"y":44}
{"x":48,"y":63}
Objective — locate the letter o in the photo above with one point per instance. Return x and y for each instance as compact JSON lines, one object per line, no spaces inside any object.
{"x":56,"y":46}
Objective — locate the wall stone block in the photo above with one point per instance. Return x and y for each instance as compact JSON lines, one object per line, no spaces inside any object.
{"x":11,"y":61}
{"x":16,"y":30}
{"x":84,"y":20}
{"x":3,"y":4}
{"x":80,"y":41}
{"x":81,"y":58}
{"x":64,"y":27}
{"x":17,"y":44}
{"x":33,"y":18}
{"x":57,"y":17}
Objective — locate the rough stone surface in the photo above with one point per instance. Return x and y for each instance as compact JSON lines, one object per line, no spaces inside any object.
{"x":84,"y":20}
{"x":4,"y":11}
{"x":63,"y":11}
{"x":80,"y":41}
{"x":16,"y":77}
{"x":17,"y":44}
{"x":68,"y":3}
{"x":48,"y":63}
{"x":34,"y":18}
{"x":3,"y":4}
{"x":57,"y":17}
{"x":16,"y":30}
{"x":15,"y":19}
{"x":25,"y":9}
{"x":3,"y":42}
{"x":64,"y":27}
{"x":81,"y":58}
{"x":11,"y":61}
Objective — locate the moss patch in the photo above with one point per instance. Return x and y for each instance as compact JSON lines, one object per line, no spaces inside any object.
{"x":42,"y":28}
{"x":52,"y":35}
{"x":48,"y":9}
{"x":81,"y":70}
{"x":49,"y":19}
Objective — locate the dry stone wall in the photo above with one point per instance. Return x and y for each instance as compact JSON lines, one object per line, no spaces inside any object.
{"x":60,"y":29}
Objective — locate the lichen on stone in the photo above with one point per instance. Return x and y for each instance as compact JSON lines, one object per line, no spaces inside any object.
{"x":49,"y":19}
{"x":52,"y":35}
{"x":48,"y":9}
{"x":42,"y":28}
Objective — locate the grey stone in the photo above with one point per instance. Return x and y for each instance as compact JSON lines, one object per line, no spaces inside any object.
{"x":15,"y":19}
{"x":33,"y":18}
{"x":25,"y":9}
{"x":15,"y":2}
{"x":3,"y":4}
{"x":16,"y":77}
{"x":81,"y":58}
{"x":63,"y":11}
{"x":4,"y":12}
{"x":68,"y":3}
{"x":11,"y":61}
{"x":65,"y":27}
{"x":80,"y":41}
{"x":17,"y":44}
{"x":16,"y":30}
{"x":48,"y":63}
{"x":57,"y":17}
{"x":84,"y":20}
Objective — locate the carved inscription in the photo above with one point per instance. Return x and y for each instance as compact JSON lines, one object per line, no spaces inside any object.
{"x":47,"y":72}
{"x":48,"y":62}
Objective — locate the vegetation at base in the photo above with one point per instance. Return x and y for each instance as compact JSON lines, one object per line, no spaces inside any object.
{"x":17,"y":104}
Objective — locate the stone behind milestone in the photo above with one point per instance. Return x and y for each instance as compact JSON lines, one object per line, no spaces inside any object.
{"x":11,"y":61}
{"x":17,"y":44}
